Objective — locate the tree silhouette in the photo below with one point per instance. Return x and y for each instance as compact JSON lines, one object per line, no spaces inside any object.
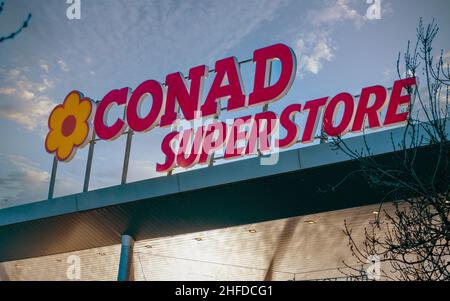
{"x":15,"y":33}
{"x":411,"y":237}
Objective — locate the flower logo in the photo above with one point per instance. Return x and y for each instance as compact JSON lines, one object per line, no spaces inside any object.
{"x":69,"y":126}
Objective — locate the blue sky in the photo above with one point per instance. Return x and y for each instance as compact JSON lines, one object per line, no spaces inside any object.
{"x":122,"y":43}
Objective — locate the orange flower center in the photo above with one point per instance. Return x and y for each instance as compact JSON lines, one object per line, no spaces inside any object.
{"x":68,"y":125}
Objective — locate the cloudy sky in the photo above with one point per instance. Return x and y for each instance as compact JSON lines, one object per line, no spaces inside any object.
{"x":122,"y":43}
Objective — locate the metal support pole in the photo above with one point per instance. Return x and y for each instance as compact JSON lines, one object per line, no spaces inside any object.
{"x":51,"y":188}
{"x":126,"y":158}
{"x":126,"y":258}
{"x":87,"y":175}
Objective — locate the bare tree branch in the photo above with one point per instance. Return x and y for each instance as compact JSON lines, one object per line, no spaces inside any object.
{"x":411,"y":237}
{"x":19,"y":30}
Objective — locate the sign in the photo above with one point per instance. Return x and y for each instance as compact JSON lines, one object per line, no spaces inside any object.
{"x":71,"y":123}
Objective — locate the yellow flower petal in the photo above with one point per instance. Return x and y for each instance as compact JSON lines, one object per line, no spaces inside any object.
{"x":79,"y":136}
{"x":57,"y":117}
{"x":65,"y":149}
{"x":83,"y":111}
{"x":72,"y":102}
{"x":52,"y":141}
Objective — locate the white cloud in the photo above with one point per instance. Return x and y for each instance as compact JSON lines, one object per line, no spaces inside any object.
{"x":26,"y":95}
{"x":44,"y":66}
{"x":23,"y":183}
{"x":31,"y":115}
{"x":7,"y":90}
{"x":13,"y":73}
{"x":45,"y":85}
{"x":162,"y":36}
{"x":24,"y":102}
{"x":317,"y":47}
{"x":63,"y":66}
{"x":336,"y":12}
{"x":141,"y":169}
{"x":312,"y":50}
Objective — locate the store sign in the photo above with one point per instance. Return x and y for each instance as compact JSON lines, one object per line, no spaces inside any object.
{"x":71,"y":123}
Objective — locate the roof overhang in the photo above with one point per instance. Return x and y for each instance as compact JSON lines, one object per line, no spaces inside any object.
{"x":225,"y":195}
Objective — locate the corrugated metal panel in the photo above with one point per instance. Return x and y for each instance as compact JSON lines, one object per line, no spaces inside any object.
{"x":284,"y":249}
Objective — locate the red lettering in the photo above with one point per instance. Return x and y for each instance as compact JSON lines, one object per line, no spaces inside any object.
{"x":292,"y":129}
{"x":237,"y":134}
{"x":264,"y":124}
{"x":263,"y":92}
{"x":135,"y":122}
{"x":313,"y":106}
{"x":212,"y":143}
{"x":178,"y":93}
{"x":397,"y":99}
{"x":190,"y":145}
{"x":226,"y":70}
{"x":331,"y":110}
{"x":166,"y":147}
{"x":371,"y":112}
{"x":102,"y":130}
